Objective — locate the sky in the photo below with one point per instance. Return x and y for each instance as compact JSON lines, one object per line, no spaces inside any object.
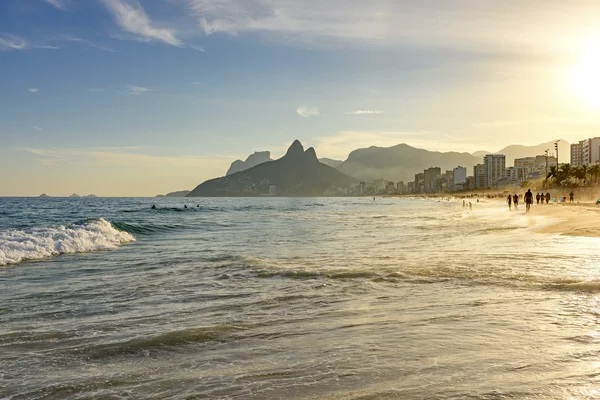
{"x":136,"y":98}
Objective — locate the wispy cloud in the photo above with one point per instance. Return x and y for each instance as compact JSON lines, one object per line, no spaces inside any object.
{"x":86,"y":42}
{"x":33,"y":90}
{"x":95,"y":90}
{"x":363,"y":112}
{"x":307,"y":111}
{"x":60,"y":4}
{"x":132,"y":18}
{"x":12,"y":42}
{"x":197,"y":48}
{"x":138,"y":89}
{"x":37,"y":128}
{"x":492,"y":26}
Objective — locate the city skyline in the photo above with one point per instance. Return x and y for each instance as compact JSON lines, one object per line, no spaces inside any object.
{"x":125,"y":97}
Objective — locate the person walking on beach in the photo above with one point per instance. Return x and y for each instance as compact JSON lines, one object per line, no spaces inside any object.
{"x":547,"y":197}
{"x":509,"y":201}
{"x":470,"y":206}
{"x":571,"y":196}
{"x":528,"y":200}
{"x":537,"y":198}
{"x":516,"y":201}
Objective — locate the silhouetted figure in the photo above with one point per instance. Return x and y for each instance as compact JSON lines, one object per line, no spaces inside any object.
{"x":571,"y":197}
{"x":547,"y":197}
{"x":184,"y":206}
{"x":470,"y":206}
{"x":198,"y":206}
{"x":537,"y":198}
{"x":153,"y":207}
{"x":528,"y":200}
{"x":516,"y":201}
{"x":509,"y":201}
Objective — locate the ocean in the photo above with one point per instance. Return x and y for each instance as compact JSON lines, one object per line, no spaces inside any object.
{"x":293,"y":298}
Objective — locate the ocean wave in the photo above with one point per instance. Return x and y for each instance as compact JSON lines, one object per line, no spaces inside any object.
{"x":44,"y":242}
{"x":145,"y":229}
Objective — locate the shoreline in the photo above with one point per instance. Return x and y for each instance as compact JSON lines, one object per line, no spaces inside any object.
{"x":566,"y":219}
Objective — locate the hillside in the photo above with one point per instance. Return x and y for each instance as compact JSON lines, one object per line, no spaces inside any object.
{"x":298,"y":173}
{"x":400,"y":162}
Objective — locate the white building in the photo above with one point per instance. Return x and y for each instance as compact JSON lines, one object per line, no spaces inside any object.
{"x":494,"y":170}
{"x":460,"y":175}
{"x":590,"y":151}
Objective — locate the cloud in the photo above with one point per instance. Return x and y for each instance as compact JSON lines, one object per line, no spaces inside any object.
{"x":138,"y":89}
{"x":33,"y":90}
{"x":60,"y":4}
{"x":490,"y":27}
{"x":12,"y":42}
{"x":37,"y":128}
{"x":95,"y":90}
{"x":363,"y":112}
{"x":307,"y":111}
{"x":132,"y":18}
{"x":197,"y":48}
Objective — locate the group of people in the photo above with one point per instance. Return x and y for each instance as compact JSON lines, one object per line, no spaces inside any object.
{"x":528,"y":198}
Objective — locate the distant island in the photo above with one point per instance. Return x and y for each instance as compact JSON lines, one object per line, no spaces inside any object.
{"x":43,"y":196}
{"x":297,"y":173}
{"x":74,"y":195}
{"x":180,"y":193}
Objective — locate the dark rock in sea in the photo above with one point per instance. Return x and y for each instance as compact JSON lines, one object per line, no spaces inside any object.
{"x":253,"y":160}
{"x":298,"y":173}
{"x":44,"y":195}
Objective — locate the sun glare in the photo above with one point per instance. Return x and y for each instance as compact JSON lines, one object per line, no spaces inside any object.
{"x":585,"y":76}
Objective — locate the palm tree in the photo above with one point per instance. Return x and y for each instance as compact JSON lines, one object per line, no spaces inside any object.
{"x":552,"y":173}
{"x":594,"y":170}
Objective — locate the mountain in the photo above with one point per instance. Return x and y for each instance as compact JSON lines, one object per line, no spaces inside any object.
{"x":253,"y":160}
{"x":330,"y":162}
{"x":480,"y":154}
{"x":401,"y":162}
{"x":180,"y":193}
{"x":298,"y":173}
{"x":43,"y":196}
{"x":519,"y":151}
{"x":74,"y":195}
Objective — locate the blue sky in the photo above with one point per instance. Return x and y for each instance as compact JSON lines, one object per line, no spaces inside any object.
{"x":125,"y":97}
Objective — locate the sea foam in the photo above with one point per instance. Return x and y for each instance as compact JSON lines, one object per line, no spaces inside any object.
{"x":38,"y":243}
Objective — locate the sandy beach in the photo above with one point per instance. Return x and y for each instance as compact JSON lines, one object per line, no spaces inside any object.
{"x":569,"y":219}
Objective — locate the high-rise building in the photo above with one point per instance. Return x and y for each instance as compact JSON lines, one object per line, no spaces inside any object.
{"x":460,"y":175}
{"x":478,"y":175}
{"x":400,"y":188}
{"x":576,"y":154}
{"x":362,"y":188}
{"x":494,"y":170}
{"x":590,"y":151}
{"x":410,"y":187}
{"x":419,"y":184}
{"x":431,"y":176}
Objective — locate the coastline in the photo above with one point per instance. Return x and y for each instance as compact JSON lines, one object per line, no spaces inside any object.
{"x":566,"y":219}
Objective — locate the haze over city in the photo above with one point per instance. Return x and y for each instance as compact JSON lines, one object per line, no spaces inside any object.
{"x":98,"y":95}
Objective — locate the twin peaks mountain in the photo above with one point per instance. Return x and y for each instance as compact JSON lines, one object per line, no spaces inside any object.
{"x":298,"y":173}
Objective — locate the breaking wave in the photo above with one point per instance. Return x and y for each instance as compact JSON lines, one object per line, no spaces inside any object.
{"x":44,"y":242}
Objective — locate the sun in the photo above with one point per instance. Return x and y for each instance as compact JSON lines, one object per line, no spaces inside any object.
{"x":585,"y":76}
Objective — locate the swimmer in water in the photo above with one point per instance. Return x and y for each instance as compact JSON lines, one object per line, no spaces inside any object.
{"x":184,"y":206}
{"x":153,"y":207}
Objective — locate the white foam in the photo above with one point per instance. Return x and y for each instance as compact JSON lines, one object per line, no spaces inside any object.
{"x":38,"y":243}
